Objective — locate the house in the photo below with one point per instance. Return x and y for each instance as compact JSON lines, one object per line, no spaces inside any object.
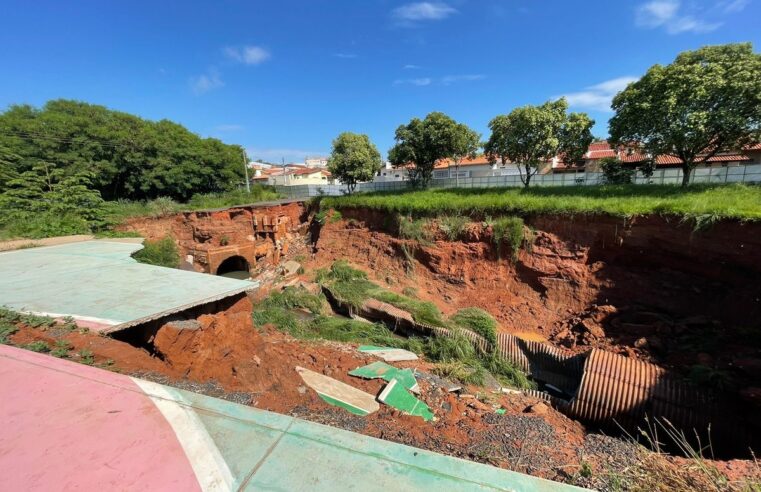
{"x":477,"y":167}
{"x":314,"y":162}
{"x":295,"y":176}
{"x":633,"y":156}
{"x":390,"y":173}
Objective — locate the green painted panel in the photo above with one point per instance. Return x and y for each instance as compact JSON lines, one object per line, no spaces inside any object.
{"x":395,"y":395}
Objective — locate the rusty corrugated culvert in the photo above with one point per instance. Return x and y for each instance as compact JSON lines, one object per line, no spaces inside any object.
{"x":596,"y":387}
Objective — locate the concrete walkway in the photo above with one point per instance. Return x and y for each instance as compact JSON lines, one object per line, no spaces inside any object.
{"x":68,"y":426}
{"x":48,"y":241}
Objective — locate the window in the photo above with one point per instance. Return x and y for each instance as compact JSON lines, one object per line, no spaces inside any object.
{"x":441,"y":174}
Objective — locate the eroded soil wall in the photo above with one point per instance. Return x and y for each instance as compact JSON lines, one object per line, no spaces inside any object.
{"x":652,"y":287}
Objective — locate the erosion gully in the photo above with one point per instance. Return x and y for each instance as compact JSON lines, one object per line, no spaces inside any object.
{"x":650,"y":290}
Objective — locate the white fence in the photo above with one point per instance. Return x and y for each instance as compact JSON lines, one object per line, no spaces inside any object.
{"x":717,"y":175}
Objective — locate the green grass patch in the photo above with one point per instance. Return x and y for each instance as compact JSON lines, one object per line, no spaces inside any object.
{"x":415,"y":229}
{"x":508,"y":230}
{"x":453,"y":226}
{"x":258,"y":193}
{"x":724,"y":201}
{"x":479,"y":321}
{"x":162,"y":252}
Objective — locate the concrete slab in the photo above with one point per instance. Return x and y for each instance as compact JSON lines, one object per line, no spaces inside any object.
{"x":68,"y":426}
{"x":101,"y":286}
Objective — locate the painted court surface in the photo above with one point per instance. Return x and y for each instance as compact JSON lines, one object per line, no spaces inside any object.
{"x":68,"y":426}
{"x":100,"y":285}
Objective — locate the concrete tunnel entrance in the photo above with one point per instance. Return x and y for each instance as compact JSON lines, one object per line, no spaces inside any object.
{"x":234,"y":267}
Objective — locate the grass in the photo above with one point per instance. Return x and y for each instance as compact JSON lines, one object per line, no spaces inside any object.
{"x":508,"y":230}
{"x":461,"y":358}
{"x":38,"y":346}
{"x":453,"y":226}
{"x":162,"y":252}
{"x":415,"y":229}
{"x":696,"y":201}
{"x":478,"y":321}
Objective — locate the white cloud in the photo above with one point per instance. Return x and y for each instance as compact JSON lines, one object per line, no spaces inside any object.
{"x":423,"y":11}
{"x":249,"y":55}
{"x":276,"y":155}
{"x":669,"y":15}
{"x":451,"y":79}
{"x":598,"y":97}
{"x":345,"y":55}
{"x":732,"y":6}
{"x":412,"y":67}
{"x":446,"y":80}
{"x":206,"y":82}
{"x":423,"y":81}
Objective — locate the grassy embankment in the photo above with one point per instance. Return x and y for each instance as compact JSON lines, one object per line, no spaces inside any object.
{"x":701,"y":203}
{"x":456,"y":356}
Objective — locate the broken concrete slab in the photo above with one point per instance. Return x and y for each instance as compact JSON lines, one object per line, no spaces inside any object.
{"x":395,"y":395}
{"x":384,"y":371}
{"x":389,"y":354}
{"x":290,"y":268}
{"x":339,"y":394}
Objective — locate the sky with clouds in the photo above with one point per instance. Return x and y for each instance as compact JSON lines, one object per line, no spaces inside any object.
{"x":284,"y":78}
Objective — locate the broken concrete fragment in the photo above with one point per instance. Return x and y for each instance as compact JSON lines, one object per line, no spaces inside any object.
{"x":384,"y":371}
{"x":290,"y":268}
{"x":389,"y":354}
{"x":338,"y":393}
{"x":394,"y":395}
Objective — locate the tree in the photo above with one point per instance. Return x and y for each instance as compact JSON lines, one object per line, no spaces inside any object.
{"x":423,"y":142}
{"x":354,"y":158}
{"x":466,"y":144}
{"x":707,"y":101}
{"x":129,"y":157}
{"x":531,"y":135}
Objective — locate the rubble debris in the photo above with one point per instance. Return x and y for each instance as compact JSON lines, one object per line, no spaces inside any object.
{"x":438,"y":382}
{"x":338,"y":393}
{"x":389,"y":354}
{"x":394,"y":395}
{"x":291,"y":268}
{"x":384,"y":371}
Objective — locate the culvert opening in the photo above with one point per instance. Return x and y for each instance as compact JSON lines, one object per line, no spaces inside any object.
{"x":235,"y":267}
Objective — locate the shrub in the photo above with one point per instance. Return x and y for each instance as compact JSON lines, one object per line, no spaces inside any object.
{"x":453,"y":226}
{"x":478,"y":321}
{"x":163,"y":252}
{"x":614,"y":172}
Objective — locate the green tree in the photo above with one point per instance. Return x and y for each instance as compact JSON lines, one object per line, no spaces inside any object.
{"x":531,"y":135}
{"x":129,"y":157}
{"x":423,"y":142}
{"x":354,"y":159}
{"x":706,"y":101}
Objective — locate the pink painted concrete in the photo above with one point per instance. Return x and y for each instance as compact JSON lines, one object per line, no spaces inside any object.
{"x":64,"y":429}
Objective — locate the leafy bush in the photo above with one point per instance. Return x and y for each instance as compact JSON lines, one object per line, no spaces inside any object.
{"x":162,"y":252}
{"x":478,"y":321}
{"x":614,"y":172}
{"x":453,"y":226}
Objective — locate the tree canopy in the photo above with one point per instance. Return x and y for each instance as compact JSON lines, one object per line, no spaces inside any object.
{"x":423,"y":142}
{"x":531,"y":135}
{"x":354,"y":159}
{"x":706,"y":101}
{"x":129,"y":157}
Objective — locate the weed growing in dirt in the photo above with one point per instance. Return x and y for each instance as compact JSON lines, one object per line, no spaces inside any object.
{"x":38,"y":346}
{"x":410,"y":292}
{"x":478,"y":321}
{"x":162,"y":252}
{"x":460,"y":371}
{"x":61,"y":349}
{"x":348,"y":330}
{"x":453,"y":226}
{"x":328,"y":216}
{"x":725,"y":201}
{"x":86,"y":357}
{"x":421,"y":311}
{"x":6,"y":330}
{"x":508,"y":230}
{"x":296,"y":297}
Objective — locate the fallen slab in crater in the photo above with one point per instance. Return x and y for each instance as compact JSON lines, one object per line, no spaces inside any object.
{"x":339,"y":394}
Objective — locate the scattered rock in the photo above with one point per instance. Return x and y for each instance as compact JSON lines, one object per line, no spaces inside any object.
{"x":537,"y":408}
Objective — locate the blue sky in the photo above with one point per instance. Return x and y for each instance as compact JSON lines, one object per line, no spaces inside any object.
{"x":283,"y":78}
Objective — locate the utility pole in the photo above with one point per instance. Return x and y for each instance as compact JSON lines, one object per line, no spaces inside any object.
{"x":245,"y":169}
